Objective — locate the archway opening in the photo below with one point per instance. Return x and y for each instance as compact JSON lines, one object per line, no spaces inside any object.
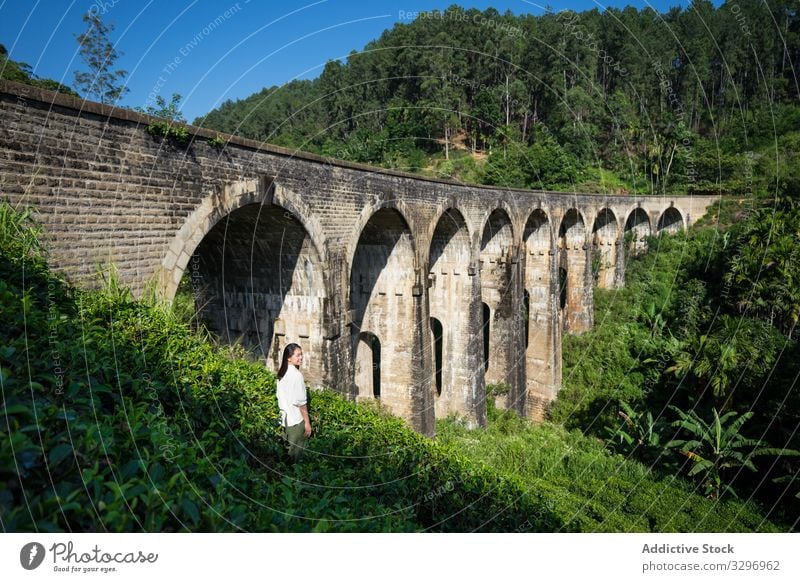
{"x":562,"y":288}
{"x":637,"y":229}
{"x":451,"y":302}
{"x":436,"y":342}
{"x":257,"y":281}
{"x":670,"y":221}
{"x":604,"y":257}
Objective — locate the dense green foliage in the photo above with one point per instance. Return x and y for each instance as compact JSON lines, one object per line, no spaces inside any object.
{"x":20,"y":72}
{"x":696,"y":99}
{"x":118,"y":417}
{"x":697,"y":358}
{"x":588,"y":486}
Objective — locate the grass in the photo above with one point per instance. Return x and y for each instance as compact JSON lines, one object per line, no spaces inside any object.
{"x":117,"y":416}
{"x":590,"y":488}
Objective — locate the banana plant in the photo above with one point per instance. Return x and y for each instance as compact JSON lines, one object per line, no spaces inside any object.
{"x":639,"y":433}
{"x":718,"y":447}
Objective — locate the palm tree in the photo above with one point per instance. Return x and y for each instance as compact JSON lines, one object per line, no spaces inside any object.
{"x":720,"y":356}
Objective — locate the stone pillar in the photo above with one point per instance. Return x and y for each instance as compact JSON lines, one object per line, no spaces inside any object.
{"x":619,"y":270}
{"x":498,"y":295}
{"x":543,"y":342}
{"x":455,"y":303}
{"x":576,"y":261}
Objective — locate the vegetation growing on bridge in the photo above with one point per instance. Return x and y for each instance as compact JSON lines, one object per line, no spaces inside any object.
{"x":118,"y":417}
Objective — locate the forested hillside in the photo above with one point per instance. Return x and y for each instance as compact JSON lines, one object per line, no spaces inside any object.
{"x":701,"y":99}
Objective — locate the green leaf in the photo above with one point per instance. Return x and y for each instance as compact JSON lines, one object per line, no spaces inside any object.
{"x":190,"y":508}
{"x":16,"y":409}
{"x":59,"y":453}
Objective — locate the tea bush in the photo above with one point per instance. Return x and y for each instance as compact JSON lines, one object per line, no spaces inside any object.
{"x":116,"y":416}
{"x":589,"y":488}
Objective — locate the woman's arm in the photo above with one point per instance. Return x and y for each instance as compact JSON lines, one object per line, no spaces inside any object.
{"x":301,"y":402}
{"x":304,"y":412}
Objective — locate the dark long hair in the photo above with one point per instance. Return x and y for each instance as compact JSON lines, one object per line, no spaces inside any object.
{"x":288,"y":352}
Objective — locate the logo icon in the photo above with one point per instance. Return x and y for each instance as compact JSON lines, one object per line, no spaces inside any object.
{"x":31,"y":556}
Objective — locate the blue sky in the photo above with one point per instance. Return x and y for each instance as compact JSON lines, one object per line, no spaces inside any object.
{"x":211,"y":51}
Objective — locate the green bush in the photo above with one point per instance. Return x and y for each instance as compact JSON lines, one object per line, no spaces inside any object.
{"x":118,"y":417}
{"x":586,"y":487}
{"x":169,"y":130}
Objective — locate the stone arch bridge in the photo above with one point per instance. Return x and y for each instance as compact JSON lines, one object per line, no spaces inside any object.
{"x":415,"y":291}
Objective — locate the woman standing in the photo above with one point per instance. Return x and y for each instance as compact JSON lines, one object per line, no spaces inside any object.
{"x":292,"y":401}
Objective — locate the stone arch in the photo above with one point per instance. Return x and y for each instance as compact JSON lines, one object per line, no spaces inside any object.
{"x":382,"y":304}
{"x":572,"y":230}
{"x":670,"y":221}
{"x":368,"y":213}
{"x":451,"y":209}
{"x":452,"y":302}
{"x":497,"y":240}
{"x":605,"y":240}
{"x":258,"y":280}
{"x":502,"y":207}
{"x":638,"y":224}
{"x":450,"y":240}
{"x":574,"y":258}
{"x":217,"y":205}
{"x":541,"y":316}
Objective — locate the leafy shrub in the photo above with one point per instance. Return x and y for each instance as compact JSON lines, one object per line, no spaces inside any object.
{"x":118,"y":417}
{"x":168,"y":130}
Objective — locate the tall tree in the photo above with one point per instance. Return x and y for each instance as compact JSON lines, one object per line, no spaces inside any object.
{"x":99,"y":54}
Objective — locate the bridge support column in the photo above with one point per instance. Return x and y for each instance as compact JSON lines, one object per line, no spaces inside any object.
{"x":500,"y":308}
{"x":542,"y":336}
{"x":423,"y":413}
{"x":575,"y":261}
{"x":455,"y":323}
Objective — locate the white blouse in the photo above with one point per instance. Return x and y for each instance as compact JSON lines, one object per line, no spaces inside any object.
{"x":291,"y":394}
